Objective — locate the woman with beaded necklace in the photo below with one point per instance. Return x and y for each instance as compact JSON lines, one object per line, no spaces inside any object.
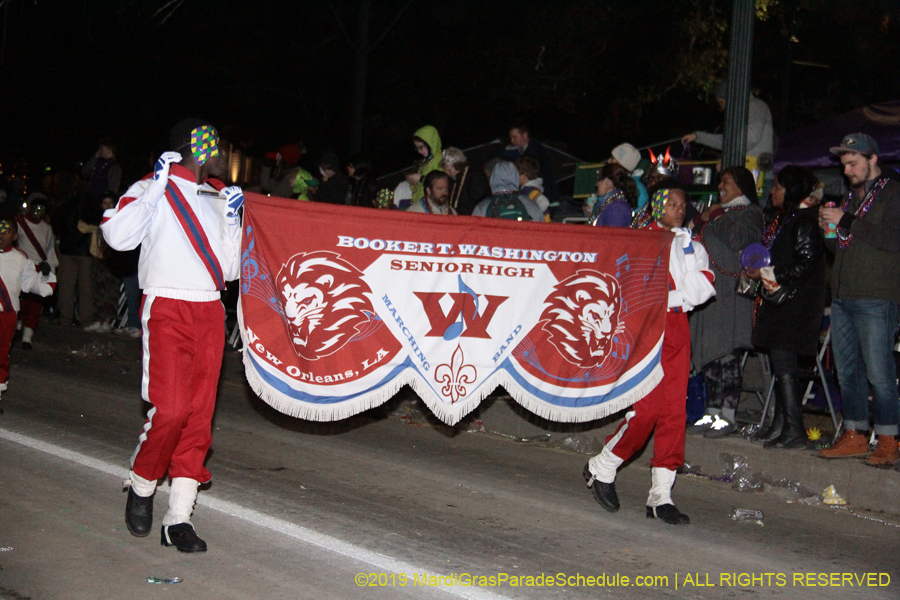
{"x":721,"y":328}
{"x":791,"y":299}
{"x":616,"y":198}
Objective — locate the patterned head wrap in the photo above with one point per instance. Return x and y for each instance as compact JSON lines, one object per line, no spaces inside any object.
{"x":5,"y":226}
{"x":658,"y":203}
{"x":204,"y":143}
{"x":384,"y":198}
{"x":197,"y":135}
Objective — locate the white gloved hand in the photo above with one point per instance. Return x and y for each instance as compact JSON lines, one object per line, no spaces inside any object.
{"x":234,"y":200}
{"x":161,"y":168}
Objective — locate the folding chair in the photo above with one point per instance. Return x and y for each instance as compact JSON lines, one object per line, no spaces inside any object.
{"x":122,"y":310}
{"x":819,"y":372}
{"x":764,"y":395}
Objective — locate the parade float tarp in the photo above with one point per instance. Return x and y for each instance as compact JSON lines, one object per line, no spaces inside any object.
{"x":808,"y":146}
{"x":342,"y":306}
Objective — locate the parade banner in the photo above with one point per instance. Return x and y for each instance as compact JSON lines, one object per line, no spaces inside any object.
{"x":342,"y":306}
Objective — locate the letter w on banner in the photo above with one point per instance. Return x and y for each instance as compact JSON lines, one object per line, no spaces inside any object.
{"x":342,"y":306}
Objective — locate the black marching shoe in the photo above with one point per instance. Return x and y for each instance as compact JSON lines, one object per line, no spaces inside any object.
{"x":183,"y":537}
{"x":138,"y":514}
{"x":604,"y":493}
{"x":26,"y":345}
{"x":668,"y":514}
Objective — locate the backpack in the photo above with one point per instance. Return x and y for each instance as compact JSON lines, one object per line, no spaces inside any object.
{"x":508,"y":206}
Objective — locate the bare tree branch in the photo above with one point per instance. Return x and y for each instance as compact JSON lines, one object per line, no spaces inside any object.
{"x":391,"y":26}
{"x":340,"y":23}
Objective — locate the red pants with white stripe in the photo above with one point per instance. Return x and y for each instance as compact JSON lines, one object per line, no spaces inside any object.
{"x":8,"y":322}
{"x":183,"y":346}
{"x":30,"y":308}
{"x":665,"y":408}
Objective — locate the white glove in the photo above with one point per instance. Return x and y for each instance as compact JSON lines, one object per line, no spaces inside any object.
{"x":234,"y":200}
{"x":161,"y":168}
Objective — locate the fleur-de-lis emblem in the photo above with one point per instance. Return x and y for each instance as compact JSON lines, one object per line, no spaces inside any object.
{"x":455,"y":376}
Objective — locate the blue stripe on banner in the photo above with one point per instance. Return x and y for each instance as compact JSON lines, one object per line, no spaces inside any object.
{"x":279,"y":385}
{"x":206,"y":252}
{"x":287,"y":390}
{"x":616,"y":392}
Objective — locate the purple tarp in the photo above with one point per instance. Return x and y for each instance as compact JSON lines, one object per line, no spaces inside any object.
{"x":808,"y":146}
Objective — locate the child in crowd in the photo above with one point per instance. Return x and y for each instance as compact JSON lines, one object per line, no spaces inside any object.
{"x":17,"y":275}
{"x":532,"y":184}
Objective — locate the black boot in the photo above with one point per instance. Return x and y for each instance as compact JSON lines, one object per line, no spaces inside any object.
{"x":772,"y":432}
{"x":793,"y":434}
{"x":138,"y":514}
{"x":183,"y":537}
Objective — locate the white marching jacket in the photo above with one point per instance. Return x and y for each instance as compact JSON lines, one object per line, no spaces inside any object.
{"x":689,"y":273}
{"x":43,"y":235}
{"x":19,"y":276}
{"x":175,"y":262}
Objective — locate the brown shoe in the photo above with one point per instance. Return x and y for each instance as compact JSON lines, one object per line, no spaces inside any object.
{"x":851,"y":443}
{"x":886,"y":452}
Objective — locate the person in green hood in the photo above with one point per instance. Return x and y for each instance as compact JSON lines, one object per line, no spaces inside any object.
{"x":428,"y":144}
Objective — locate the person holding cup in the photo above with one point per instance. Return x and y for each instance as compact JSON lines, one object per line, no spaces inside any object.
{"x":791,"y":300}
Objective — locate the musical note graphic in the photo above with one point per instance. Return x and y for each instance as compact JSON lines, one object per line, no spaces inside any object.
{"x":455,"y":330}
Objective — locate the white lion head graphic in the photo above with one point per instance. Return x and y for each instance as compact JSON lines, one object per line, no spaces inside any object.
{"x":582,"y":316}
{"x":325,"y":301}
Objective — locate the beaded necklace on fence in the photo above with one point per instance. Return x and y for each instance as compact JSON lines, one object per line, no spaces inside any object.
{"x":845,"y":239}
{"x":703,"y":241}
{"x":613,"y":196}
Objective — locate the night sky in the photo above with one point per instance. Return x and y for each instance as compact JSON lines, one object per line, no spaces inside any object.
{"x":585,"y":74}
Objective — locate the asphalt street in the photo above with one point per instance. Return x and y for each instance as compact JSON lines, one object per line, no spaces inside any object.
{"x":299,"y":509}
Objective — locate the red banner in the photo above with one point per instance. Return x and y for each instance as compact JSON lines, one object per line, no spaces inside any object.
{"x":341,"y":306}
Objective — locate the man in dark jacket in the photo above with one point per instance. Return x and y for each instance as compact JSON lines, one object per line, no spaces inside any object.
{"x":521,"y":145}
{"x":865,"y":285}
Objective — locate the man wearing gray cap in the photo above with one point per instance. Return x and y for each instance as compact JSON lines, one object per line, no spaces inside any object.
{"x":865,"y":285}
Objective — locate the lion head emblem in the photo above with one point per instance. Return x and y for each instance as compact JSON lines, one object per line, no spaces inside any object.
{"x":582,"y":317}
{"x":324,"y":299}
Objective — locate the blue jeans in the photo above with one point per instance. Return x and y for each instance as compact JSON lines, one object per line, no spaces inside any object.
{"x":862,"y":338}
{"x":133,"y":300}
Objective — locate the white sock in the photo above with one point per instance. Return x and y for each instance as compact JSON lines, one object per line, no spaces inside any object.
{"x":182,"y":497}
{"x":728,"y":415}
{"x":142,"y":487}
{"x":27,"y":332}
{"x":603,"y":466}
{"x":662,"y":481}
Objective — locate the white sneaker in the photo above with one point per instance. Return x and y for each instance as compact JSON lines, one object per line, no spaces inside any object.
{"x":98,"y":327}
{"x":132,"y":332}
